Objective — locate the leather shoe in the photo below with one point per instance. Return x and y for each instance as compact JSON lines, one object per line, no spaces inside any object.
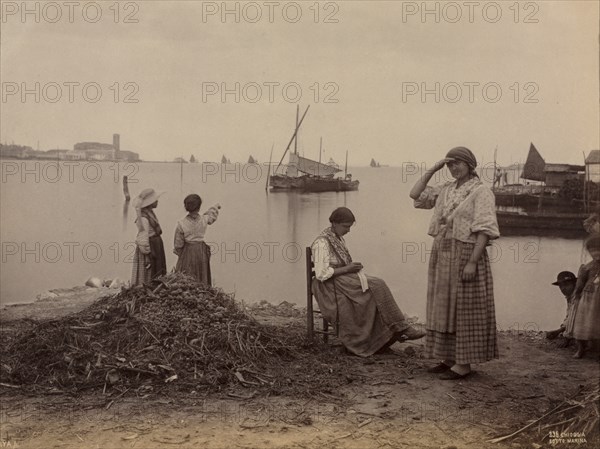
{"x":412,"y":333}
{"x":440,"y":368}
{"x":453,"y":375}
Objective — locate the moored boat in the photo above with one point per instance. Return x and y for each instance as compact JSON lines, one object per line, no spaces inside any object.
{"x":308,"y":175}
{"x":550,"y":207}
{"x":326,"y":184}
{"x":546,"y":223}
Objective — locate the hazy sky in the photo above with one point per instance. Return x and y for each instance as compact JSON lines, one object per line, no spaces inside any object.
{"x":506,"y":76}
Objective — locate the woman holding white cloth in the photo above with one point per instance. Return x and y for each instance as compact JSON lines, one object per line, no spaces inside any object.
{"x":368,"y":316}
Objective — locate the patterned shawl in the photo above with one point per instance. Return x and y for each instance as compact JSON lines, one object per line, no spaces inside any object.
{"x":454,"y":197}
{"x":337,"y":245}
{"x":151,"y":217}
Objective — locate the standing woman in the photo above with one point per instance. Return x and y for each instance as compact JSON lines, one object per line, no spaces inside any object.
{"x":149,"y":259}
{"x":461,"y":321}
{"x":193,"y":253}
{"x":586,"y":322}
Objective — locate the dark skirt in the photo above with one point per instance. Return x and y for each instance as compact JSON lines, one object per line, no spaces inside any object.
{"x":157,"y":257}
{"x":367,"y":320}
{"x":194,"y":261}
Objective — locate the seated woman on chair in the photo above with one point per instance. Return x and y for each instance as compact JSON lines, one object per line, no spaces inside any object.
{"x":368,"y":316}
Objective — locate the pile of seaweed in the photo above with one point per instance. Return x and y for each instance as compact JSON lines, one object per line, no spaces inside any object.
{"x":575,"y":420}
{"x":178,"y":333}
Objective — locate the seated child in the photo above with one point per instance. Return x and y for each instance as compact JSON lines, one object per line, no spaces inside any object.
{"x":566,"y":281}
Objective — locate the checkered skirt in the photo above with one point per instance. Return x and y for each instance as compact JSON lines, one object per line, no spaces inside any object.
{"x":461,"y":321}
{"x":140,"y":274}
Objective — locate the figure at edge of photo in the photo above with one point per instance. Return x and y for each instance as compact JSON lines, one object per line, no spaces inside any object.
{"x":193,"y":253}
{"x":461,"y":320}
{"x":369,"y":319}
{"x":149,"y":260}
{"x":566,"y":281}
{"x":497,"y":178}
{"x":592,"y":224}
{"x":586,"y":321}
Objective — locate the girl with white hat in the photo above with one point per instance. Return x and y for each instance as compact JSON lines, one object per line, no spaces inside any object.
{"x":149,"y":260}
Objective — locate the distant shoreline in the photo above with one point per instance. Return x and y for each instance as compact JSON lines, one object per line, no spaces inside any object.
{"x":2,"y":158}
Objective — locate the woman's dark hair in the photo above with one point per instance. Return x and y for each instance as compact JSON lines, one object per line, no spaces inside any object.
{"x":192,"y":202}
{"x":342,"y":215}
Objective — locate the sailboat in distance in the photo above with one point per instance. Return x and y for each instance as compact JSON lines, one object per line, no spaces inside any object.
{"x":306,"y":174}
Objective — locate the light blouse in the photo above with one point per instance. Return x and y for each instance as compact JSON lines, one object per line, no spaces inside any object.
{"x":143,"y":237}
{"x":477,"y":214}
{"x":323,"y":258}
{"x":192,"y":228}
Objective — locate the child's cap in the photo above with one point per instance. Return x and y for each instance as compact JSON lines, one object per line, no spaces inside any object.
{"x":564,"y":277}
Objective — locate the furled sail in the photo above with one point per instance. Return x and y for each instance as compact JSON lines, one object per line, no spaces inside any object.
{"x":309,"y":166}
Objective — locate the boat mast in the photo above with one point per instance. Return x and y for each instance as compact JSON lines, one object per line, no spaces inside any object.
{"x":269,"y":169}
{"x":292,"y":139}
{"x":320,"y":149}
{"x":346,"y":166}
{"x":494,"y":176}
{"x":585,"y":205}
{"x":296,"y":138}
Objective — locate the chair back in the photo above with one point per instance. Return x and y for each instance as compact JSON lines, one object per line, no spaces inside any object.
{"x":310,"y":274}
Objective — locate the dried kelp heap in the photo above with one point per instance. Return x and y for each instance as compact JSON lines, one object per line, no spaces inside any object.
{"x":180,"y":333}
{"x":574,"y":421}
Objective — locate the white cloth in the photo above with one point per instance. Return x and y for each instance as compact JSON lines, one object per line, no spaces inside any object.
{"x":363,"y":280}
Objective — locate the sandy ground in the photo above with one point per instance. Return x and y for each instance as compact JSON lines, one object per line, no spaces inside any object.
{"x":387,"y":403}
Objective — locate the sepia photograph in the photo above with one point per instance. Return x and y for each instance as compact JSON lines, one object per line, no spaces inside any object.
{"x":348,"y":224}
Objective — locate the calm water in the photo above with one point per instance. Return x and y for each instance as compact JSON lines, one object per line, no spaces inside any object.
{"x":60,"y":228}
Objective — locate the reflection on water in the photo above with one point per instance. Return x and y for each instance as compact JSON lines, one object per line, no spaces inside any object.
{"x":58,"y":234}
{"x":125,"y":215}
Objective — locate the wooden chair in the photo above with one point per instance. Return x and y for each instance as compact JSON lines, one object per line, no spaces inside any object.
{"x":311,"y":313}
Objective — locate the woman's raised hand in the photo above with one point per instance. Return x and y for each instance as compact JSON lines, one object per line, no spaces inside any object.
{"x":440,"y":164}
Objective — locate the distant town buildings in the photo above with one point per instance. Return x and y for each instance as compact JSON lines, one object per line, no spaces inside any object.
{"x":592,"y":166}
{"x":82,"y":151}
{"x":556,"y":174}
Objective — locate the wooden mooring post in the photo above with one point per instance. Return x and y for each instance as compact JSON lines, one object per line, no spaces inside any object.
{"x":126,"y":189}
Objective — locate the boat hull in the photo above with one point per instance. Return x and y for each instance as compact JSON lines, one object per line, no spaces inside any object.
{"x":330,"y":185}
{"x":528,"y":200}
{"x":568,"y":225}
{"x":283,"y":182}
{"x":311,"y":184}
